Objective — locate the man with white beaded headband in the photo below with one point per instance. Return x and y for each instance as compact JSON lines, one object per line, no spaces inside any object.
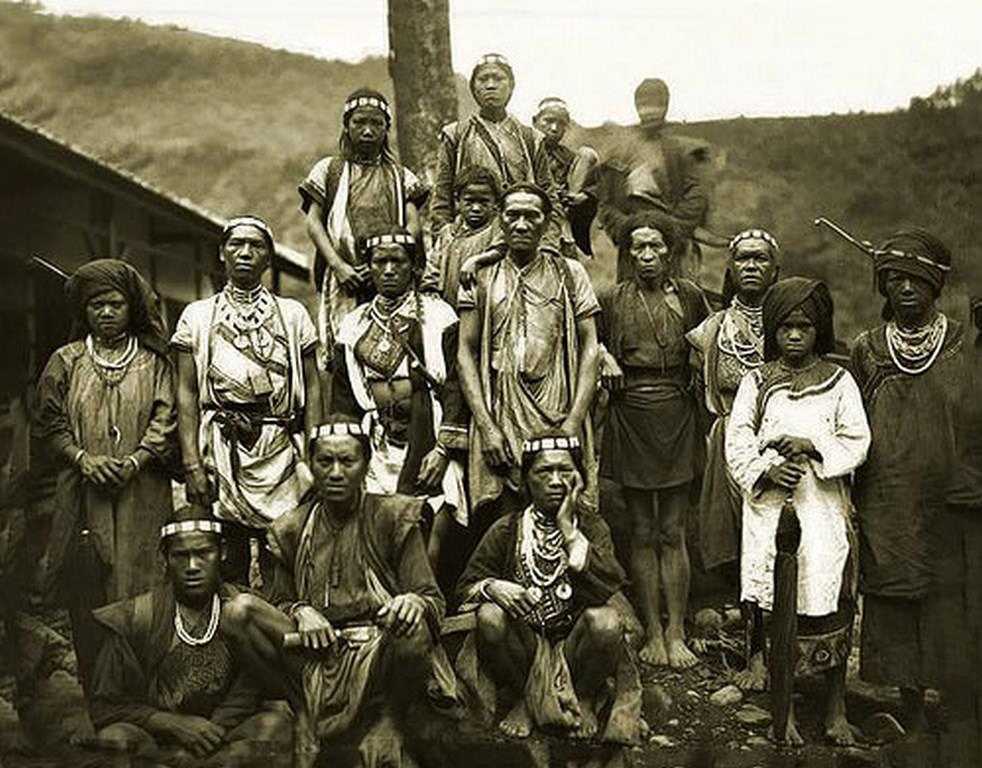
{"x":730,"y":343}
{"x":167,"y":686}
{"x":492,"y":139}
{"x":348,"y":196}
{"x":247,"y":387}
{"x":356,"y":609}
{"x":552,"y":624}
{"x":909,"y":370}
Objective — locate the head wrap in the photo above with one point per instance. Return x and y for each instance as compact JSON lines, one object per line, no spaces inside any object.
{"x":104,"y":275}
{"x":914,"y":252}
{"x":492,"y":60}
{"x":552,"y":102}
{"x":810,"y":296}
{"x":366,"y":97}
{"x":248,"y":220}
{"x":191,"y":519}
{"x":647,"y":219}
{"x":729,"y":286}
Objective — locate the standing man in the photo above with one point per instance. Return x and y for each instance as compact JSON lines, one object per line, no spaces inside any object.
{"x":247,"y":387}
{"x":491,"y":139}
{"x":528,"y":351}
{"x":909,"y":370}
{"x":651,"y":170}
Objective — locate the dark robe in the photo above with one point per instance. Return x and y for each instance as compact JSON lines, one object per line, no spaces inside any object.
{"x":139,"y":671}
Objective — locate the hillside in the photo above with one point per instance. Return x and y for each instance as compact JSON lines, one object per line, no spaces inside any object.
{"x":234,"y":126}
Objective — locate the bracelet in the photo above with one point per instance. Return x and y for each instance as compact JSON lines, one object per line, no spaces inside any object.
{"x":194,"y":466}
{"x":78,"y":456}
{"x":296,"y":607}
{"x":441,"y":449}
{"x":483,"y":590}
{"x":134,"y":461}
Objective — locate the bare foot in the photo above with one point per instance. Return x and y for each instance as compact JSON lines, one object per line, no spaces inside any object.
{"x":588,"y":725}
{"x":840,"y":732}
{"x":517,"y":723}
{"x":754,"y":677}
{"x":679,"y":655}
{"x":791,"y":737}
{"x":653,"y":651}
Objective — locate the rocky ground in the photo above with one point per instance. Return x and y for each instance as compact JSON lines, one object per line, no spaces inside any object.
{"x":696,"y":718}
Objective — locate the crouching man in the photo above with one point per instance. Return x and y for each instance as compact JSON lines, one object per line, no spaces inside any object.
{"x":552,"y":624}
{"x":166,"y":684}
{"x":357,"y":606}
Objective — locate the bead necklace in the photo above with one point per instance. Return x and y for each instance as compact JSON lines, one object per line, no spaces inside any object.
{"x":186,"y":637}
{"x":383,"y":316}
{"x":914,"y":351}
{"x":250,"y":312}
{"x":749,"y":354}
{"x":112,"y":371}
{"x":542,"y":543}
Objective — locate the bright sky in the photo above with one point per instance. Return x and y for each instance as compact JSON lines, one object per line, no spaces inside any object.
{"x":721,"y":58}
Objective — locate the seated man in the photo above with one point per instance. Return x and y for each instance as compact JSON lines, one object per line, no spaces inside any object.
{"x":551,"y":623}
{"x":166,"y":684}
{"x":359,"y":607}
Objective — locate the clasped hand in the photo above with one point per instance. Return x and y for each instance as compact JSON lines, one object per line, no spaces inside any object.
{"x":106,"y":471}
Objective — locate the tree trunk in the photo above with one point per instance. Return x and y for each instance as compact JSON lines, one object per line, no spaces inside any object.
{"x":422,"y":76}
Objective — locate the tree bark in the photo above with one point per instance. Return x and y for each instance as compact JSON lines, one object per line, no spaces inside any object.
{"x":422,"y":76}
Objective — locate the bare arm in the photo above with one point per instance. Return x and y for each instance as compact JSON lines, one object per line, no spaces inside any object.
{"x":318,"y":235}
{"x":314,"y":410}
{"x":199,"y":489}
{"x":586,"y":375}
{"x":468,"y":351}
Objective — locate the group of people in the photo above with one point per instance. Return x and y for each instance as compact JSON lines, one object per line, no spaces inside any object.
{"x":329,"y":468}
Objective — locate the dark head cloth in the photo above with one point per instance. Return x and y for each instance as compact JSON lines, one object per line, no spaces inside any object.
{"x":810,"y":296}
{"x":917,"y":253}
{"x":104,"y":275}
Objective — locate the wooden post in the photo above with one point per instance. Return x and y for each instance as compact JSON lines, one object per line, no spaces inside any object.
{"x":422,"y":76}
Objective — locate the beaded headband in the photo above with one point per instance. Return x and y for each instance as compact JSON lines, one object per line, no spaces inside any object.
{"x":367,"y":101}
{"x":343,"y":429}
{"x":754,"y":234}
{"x":553,"y":102}
{"x":540,"y":444}
{"x":880,"y":253}
{"x":190,"y":526}
{"x":250,"y":221}
{"x":399,"y":238}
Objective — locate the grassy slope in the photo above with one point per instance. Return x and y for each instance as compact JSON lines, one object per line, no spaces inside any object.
{"x":234,"y":126}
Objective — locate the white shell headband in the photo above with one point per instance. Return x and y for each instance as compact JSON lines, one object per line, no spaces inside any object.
{"x":550,"y":444}
{"x":553,"y":102}
{"x":367,"y":101}
{"x":754,"y":234}
{"x":190,"y":526}
{"x":344,"y":429}
{"x":399,"y":238}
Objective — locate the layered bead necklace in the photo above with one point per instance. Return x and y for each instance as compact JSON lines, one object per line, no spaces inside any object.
{"x":749,"y":353}
{"x":186,"y":637}
{"x":383,"y":311}
{"x":112,"y":370}
{"x":543,"y":555}
{"x":914,"y":351}
{"x":251,"y":310}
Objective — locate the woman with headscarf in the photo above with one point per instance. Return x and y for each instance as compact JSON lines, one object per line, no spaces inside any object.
{"x":106,"y":418}
{"x":796,"y":432}
{"x":730,"y":343}
{"x":347,"y":197}
{"x":909,"y":369}
{"x":495,"y":140}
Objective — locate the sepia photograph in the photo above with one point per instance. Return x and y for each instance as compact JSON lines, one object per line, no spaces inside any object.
{"x":496,"y":384}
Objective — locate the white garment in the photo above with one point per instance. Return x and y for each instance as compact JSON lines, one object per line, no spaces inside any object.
{"x":831,"y":415}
